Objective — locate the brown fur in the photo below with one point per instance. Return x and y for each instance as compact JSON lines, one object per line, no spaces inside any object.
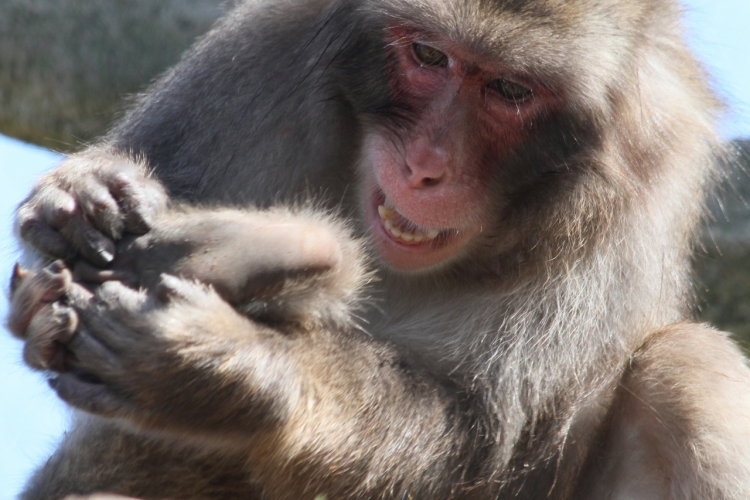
{"x":537,"y":363}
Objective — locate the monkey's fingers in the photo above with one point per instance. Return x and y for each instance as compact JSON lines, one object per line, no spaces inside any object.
{"x":113,"y":316}
{"x":40,"y":218}
{"x":140,"y":199}
{"x":114,"y":200}
{"x":85,"y":272}
{"x":50,"y":329}
{"x":90,"y":243}
{"x":93,"y":366}
{"x":58,"y":223}
{"x":18,"y":277}
{"x":86,"y":205}
{"x":32,"y":291}
{"x":171,"y":288}
{"x":99,"y":206}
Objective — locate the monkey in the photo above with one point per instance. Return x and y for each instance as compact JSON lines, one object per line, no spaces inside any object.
{"x":527,"y":178}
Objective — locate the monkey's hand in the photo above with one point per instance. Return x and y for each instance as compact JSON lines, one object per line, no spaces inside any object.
{"x":182,"y":361}
{"x":38,"y":316}
{"x":146,"y":357}
{"x":86,"y":204}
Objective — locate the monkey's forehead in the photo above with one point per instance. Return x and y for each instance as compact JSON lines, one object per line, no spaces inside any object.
{"x":578,"y":45}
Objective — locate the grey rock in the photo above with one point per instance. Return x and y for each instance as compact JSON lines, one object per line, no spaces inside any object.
{"x":722,"y":264}
{"x":67,"y":65}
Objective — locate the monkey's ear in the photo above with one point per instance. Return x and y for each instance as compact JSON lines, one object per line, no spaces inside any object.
{"x":19,"y":274}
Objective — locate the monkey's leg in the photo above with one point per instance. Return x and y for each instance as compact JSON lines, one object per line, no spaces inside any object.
{"x":312,"y":411}
{"x":277,"y":265}
{"x":680,"y":426}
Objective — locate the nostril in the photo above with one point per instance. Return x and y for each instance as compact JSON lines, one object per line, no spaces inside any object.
{"x":420,"y":180}
{"x":430,"y":182}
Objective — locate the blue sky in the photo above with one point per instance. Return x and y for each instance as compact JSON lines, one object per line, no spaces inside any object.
{"x":32,"y":420}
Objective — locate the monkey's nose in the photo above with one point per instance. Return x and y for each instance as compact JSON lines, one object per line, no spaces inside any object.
{"x":426,"y":163}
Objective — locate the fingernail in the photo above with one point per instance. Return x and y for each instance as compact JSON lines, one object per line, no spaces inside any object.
{"x":106,"y":255}
{"x":18,"y":275}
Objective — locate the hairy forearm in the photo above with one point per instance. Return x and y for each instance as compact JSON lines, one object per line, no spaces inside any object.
{"x":311,"y":403}
{"x":181,"y":361}
{"x":362,"y":421}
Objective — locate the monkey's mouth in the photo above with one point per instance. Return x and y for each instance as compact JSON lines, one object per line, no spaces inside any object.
{"x":402,"y":243}
{"x":402,"y":229}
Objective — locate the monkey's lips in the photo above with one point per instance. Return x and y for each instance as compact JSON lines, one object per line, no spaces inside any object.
{"x":404,"y":244}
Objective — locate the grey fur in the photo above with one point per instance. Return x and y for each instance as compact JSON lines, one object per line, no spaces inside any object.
{"x":512,"y":371}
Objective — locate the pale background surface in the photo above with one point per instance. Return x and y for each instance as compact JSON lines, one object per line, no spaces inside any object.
{"x":32,"y":420}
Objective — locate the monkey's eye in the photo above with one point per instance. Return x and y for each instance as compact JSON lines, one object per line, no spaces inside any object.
{"x":510,"y":90}
{"x":427,"y":56}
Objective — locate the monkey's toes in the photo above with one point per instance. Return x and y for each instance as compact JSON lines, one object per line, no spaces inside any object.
{"x":171,"y":288}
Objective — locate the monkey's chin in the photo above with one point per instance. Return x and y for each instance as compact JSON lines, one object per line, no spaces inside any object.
{"x":398,"y":253}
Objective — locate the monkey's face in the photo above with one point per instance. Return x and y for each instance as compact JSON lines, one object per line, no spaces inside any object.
{"x":428,"y":178}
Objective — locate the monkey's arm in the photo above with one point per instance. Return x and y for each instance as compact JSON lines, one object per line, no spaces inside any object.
{"x":241,"y":120}
{"x":680,"y":425}
{"x":338,"y":413}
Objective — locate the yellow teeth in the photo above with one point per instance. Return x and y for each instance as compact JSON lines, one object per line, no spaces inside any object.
{"x":408,"y":237}
{"x":392,"y":229}
{"x":385,"y":213}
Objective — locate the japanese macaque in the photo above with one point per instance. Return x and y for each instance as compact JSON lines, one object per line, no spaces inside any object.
{"x":492,"y":300}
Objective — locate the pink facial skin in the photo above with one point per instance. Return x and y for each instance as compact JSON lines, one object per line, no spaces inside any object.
{"x":437,"y":176}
